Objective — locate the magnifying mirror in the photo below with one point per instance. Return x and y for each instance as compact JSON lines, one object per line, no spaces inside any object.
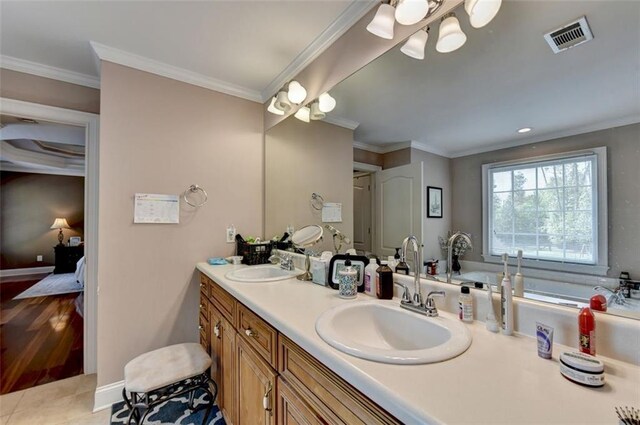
{"x":307,"y":237}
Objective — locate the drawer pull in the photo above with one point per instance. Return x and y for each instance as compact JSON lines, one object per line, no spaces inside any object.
{"x":250,"y":332}
{"x":201,"y":306}
{"x":266,"y":400}
{"x":200,"y":327}
{"x":201,"y":285}
{"x":216,"y":330}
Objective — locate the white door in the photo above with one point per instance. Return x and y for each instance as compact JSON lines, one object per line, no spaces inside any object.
{"x":400,"y":207}
{"x":362,"y":213}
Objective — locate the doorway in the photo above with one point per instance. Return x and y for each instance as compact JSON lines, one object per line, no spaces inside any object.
{"x":89,"y":128}
{"x":362,"y":214}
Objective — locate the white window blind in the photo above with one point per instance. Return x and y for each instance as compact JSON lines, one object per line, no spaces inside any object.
{"x":548,"y":209}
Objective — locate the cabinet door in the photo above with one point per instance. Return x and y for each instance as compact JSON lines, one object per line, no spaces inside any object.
{"x":227,"y":372}
{"x":216,"y":347}
{"x":292,"y":410}
{"x":257,"y":386}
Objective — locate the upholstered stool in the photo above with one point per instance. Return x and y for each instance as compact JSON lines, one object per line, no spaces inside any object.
{"x":157,"y":376}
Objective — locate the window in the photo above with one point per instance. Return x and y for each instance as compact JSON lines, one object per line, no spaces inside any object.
{"x":548,"y":207}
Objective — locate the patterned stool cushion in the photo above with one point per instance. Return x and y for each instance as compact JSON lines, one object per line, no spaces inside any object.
{"x":165,"y":366}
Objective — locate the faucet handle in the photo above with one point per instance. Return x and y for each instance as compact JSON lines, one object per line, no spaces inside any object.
{"x":406,"y":298}
{"x":430,"y":304}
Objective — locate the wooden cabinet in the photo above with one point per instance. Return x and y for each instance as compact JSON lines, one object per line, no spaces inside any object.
{"x":257,"y":389}
{"x":67,"y":258}
{"x":291,"y":408}
{"x":248,"y":354}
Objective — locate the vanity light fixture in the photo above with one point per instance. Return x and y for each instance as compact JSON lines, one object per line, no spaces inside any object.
{"x":414,"y":47}
{"x":481,"y":12}
{"x":297,"y":94}
{"x":383,"y":22}
{"x":282,"y":102}
{"x":524,"y":130}
{"x":409,"y":12}
{"x":303,"y":114}
{"x":326,"y":102}
{"x":451,"y":36}
{"x":315,"y":113}
{"x":272,"y":107}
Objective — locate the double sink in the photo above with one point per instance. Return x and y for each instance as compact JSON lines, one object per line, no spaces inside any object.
{"x":379,"y":331}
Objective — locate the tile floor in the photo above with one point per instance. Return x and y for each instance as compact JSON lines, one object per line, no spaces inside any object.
{"x":65,"y":402}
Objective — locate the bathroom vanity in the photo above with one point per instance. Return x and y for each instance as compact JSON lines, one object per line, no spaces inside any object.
{"x":272,"y":367}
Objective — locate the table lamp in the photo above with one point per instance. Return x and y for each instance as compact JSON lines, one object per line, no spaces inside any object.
{"x":60,"y":223}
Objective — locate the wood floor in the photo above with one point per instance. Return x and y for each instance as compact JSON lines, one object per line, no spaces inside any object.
{"x":41,"y":338}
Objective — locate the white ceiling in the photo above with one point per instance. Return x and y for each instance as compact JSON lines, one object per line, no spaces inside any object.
{"x":245,"y":43}
{"x":505,"y":77}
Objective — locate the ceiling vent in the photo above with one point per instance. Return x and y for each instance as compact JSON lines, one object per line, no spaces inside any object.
{"x":570,"y":35}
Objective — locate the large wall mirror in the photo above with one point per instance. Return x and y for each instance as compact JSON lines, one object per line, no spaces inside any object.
{"x":521,"y":147}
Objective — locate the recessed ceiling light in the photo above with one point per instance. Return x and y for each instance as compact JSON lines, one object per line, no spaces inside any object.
{"x":524,"y":130}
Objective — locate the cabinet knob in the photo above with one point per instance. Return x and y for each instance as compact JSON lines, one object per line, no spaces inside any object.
{"x":250,"y":332}
{"x":216,"y":330}
{"x":201,"y":306}
{"x":201,"y":285}
{"x":200,"y":327}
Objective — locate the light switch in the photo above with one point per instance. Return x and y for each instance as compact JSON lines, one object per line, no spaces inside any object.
{"x":231,"y":234}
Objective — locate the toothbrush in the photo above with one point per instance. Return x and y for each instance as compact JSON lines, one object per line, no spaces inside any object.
{"x":518,"y":283}
{"x":491,"y":322}
{"x":506,"y":301}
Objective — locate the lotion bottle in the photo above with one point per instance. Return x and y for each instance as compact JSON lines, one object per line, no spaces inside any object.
{"x":465,"y":305}
{"x":370,"y":277}
{"x":506,"y":301}
{"x":518,"y":282}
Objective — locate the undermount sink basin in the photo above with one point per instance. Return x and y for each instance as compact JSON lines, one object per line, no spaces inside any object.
{"x":386,"y":333}
{"x":268,"y":273}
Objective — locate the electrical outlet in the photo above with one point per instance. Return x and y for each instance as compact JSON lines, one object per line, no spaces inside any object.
{"x":231,"y":234}
{"x":39,"y":258}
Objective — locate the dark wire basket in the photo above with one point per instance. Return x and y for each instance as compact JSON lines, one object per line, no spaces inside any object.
{"x":254,"y":253}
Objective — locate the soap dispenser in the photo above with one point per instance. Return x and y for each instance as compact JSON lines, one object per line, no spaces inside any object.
{"x":402,"y":267}
{"x":347,"y":280}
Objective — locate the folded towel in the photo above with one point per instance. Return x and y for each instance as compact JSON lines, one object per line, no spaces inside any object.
{"x":217,"y":261}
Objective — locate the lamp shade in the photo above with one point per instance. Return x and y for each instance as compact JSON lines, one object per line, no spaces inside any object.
{"x":451,"y":36}
{"x":297,"y":94}
{"x":315,"y":113}
{"x":414,"y":47}
{"x":282,"y":102}
{"x":382,"y":24}
{"x":303,"y":114}
{"x":326,"y":102}
{"x":60,"y":223}
{"x":481,"y":12}
{"x":273,"y":109}
{"x":409,"y":12}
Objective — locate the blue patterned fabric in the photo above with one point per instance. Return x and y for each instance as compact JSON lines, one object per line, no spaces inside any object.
{"x":172,"y":412}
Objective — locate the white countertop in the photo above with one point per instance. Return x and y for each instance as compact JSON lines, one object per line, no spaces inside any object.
{"x":498,"y":380}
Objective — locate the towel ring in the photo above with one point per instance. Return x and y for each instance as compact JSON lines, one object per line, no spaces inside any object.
{"x":193,"y":189}
{"x":315,"y":199}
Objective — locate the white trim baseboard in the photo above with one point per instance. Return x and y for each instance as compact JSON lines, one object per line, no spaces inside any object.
{"x":111,"y":54}
{"x":107,"y":395}
{"x":26,"y":271}
{"x":46,"y":71}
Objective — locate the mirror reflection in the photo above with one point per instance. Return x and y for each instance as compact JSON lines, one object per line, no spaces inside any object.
{"x":531,"y":150}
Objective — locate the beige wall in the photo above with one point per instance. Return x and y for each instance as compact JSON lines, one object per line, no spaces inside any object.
{"x":303,"y":158}
{"x":159,"y":136}
{"x":31,"y":88}
{"x":29,"y":203}
{"x":436,"y":172}
{"x":623,"y":154}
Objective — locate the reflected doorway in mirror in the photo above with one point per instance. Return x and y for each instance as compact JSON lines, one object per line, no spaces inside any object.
{"x":434,"y":202}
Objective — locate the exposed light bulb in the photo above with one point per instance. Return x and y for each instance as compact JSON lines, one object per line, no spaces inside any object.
{"x":297,"y":94}
{"x":282,"y":102}
{"x":409,"y":12}
{"x":451,"y":36}
{"x":315,"y":112}
{"x":272,"y":108}
{"x":303,"y":114}
{"x":414,"y":47}
{"x":481,"y":12}
{"x":326,"y":102}
{"x":383,"y":22}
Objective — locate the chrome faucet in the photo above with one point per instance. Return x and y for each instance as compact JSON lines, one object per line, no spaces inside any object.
{"x":616,"y":296}
{"x":417,"y":260}
{"x":450,"y":243}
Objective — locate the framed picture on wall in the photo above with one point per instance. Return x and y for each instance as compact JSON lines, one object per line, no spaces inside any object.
{"x":434,"y":202}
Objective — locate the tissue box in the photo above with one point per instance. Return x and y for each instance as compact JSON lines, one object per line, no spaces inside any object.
{"x":320,"y":271}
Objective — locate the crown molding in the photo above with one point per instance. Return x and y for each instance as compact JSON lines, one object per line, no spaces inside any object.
{"x":131,"y":60}
{"x":382,"y":149}
{"x":341,"y":122}
{"x":46,"y":71}
{"x":603,"y":125}
{"x":352,"y":14}
{"x":424,"y":148}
